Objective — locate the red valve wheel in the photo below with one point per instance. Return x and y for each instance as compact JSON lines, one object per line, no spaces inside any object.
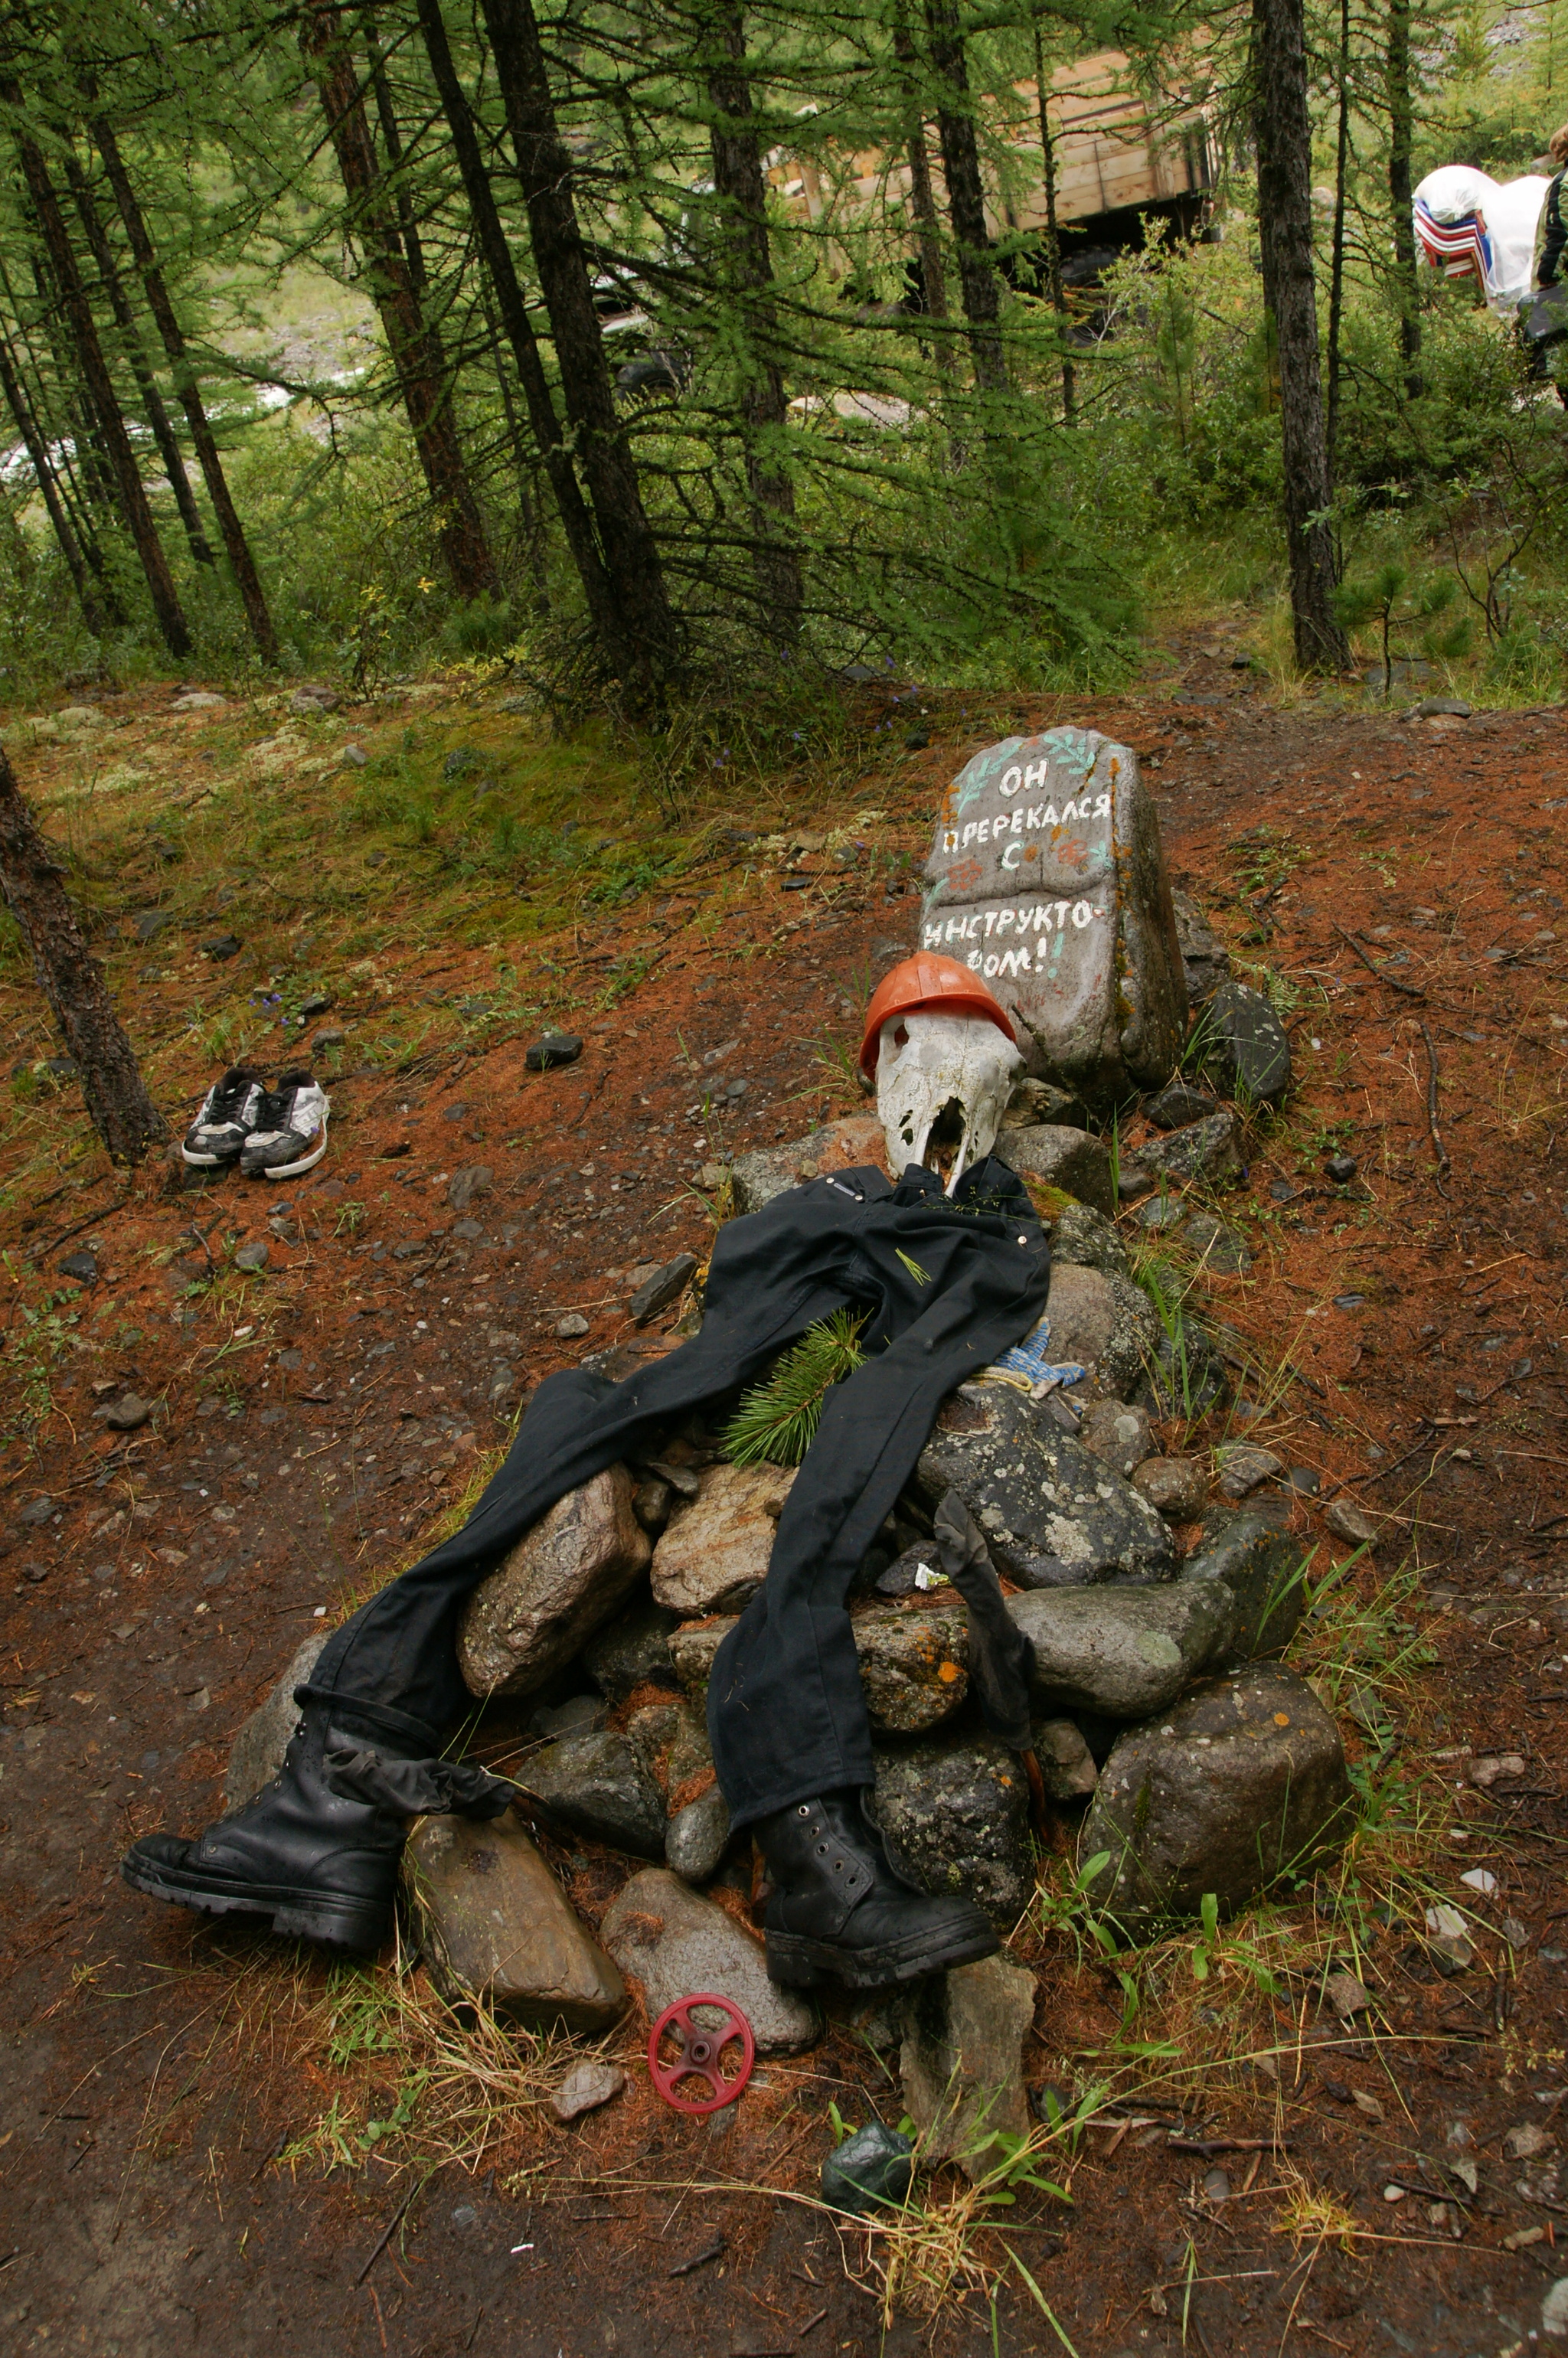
{"x":699,"y":2052}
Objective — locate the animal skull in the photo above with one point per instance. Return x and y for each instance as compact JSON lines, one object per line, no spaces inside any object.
{"x":943,"y":1084}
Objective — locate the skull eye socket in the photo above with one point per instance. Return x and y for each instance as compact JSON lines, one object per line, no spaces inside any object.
{"x":900,"y":1035}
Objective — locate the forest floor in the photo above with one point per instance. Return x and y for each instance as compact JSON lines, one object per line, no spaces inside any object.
{"x":187,"y":2149}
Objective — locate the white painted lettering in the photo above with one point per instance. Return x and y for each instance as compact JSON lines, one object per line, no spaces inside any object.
{"x":1012,"y":856}
{"x":1036,"y":773}
{"x":1016,"y":962}
{"x":1102,"y":804}
{"x":991,"y":966}
{"x":1005,"y":922}
{"x":1010,"y":782}
{"x":1082,"y":914}
{"x":932,"y":936}
{"x":968,"y":834}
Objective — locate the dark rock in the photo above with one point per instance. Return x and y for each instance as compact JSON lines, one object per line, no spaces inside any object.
{"x":554,"y":1589}
{"x":652,"y":1504}
{"x":458,"y":1112}
{"x":696,"y":1836}
{"x":1187,"y":1378}
{"x":1221,"y":1248}
{"x":1066,"y":1764}
{"x":148,"y":922}
{"x":903,"y":1578}
{"x":598,"y":1786}
{"x":471,"y":1231}
{"x":1341,"y":1169}
{"x":1242,"y":1044}
{"x":1177,"y":1487}
{"x":36,"y":1511}
{"x":692,"y":1649}
{"x":1047,"y":871}
{"x":128,"y":1413}
{"x":580,"y":1714}
{"x":1304,"y":1480}
{"x":1178,"y":1104}
{"x":1241,"y":1783}
{"x":222,"y":945}
{"x":310,"y":699}
{"x":915,"y":1665}
{"x":677,"y":1944}
{"x":955,"y":1817}
{"x":256,"y":1755}
{"x":633,"y":1650}
{"x":1035,"y":1102}
{"x":1104,"y":1325}
{"x":61,"y":1068}
{"x":1068,"y":1158}
{"x":1438,"y":707}
{"x":1265,"y":1571}
{"x":1243,"y":1465}
{"x":962,"y":2061}
{"x":552,"y":1048}
{"x":875,"y":2167}
{"x":1087,"y":1239}
{"x":81,"y":1266}
{"x":1053,"y":1513}
{"x":1123,"y":1435}
{"x":317,"y":1004}
{"x":496,"y":1925}
{"x":460,"y":760}
{"x":251,"y":1258}
{"x":1123,"y":1651}
{"x":1205,"y":962}
{"x":1206,"y":1150}
{"x":474,"y":1179}
{"x":325,"y":1040}
{"x":667,"y":1285}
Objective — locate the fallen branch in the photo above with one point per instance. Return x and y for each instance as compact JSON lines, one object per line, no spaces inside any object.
{"x":1443,"y":1166}
{"x":1409,"y":989}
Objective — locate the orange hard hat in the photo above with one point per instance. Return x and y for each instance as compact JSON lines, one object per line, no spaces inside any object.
{"x":928,"y":985}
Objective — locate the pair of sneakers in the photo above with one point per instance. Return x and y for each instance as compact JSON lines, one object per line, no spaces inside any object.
{"x":271,"y":1133}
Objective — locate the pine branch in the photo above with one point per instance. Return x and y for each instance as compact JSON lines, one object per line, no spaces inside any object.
{"x":776,"y":1421}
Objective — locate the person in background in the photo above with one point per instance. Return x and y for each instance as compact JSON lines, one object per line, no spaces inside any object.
{"x":1551,"y":233}
{"x":1547,"y":303}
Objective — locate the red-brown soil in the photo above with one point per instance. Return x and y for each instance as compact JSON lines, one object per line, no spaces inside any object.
{"x":313,"y":1423}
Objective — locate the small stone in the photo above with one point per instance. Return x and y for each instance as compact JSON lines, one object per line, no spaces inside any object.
{"x":572,"y":1327}
{"x":692,"y":1647}
{"x":695,"y":1837}
{"x":1123,"y":1651}
{"x":554,"y":1589}
{"x":711,"y":1177}
{"x":197,"y":699}
{"x":497,"y":1925}
{"x":1516,"y":1934}
{"x":1205,"y":962}
{"x":1205,"y":1151}
{"x":597,"y":1785}
{"x":1068,"y":1158}
{"x":1554,"y":2310}
{"x":1243,"y":1465}
{"x":36,"y":1511}
{"x":914,"y":1666}
{"x":633,"y":1650}
{"x":678,"y":1944}
{"x":1345,"y":1995}
{"x":81,"y":1266}
{"x":1242,"y":1044}
{"x":665,"y":1285}
{"x":128,"y":1413}
{"x":1066,"y":1764}
{"x":873,"y":2168}
{"x":582,"y":1714}
{"x":256,"y":1754}
{"x":222,"y":945}
{"x":1526,"y":2139}
{"x":1487,"y":1770}
{"x":1439,"y":707}
{"x":652,"y":1503}
{"x":1341,"y":1169}
{"x":148,"y":922}
{"x":473,"y":1179}
{"x":550,"y":1049}
{"x":1350,"y":1522}
{"x":1217,"y":2185}
{"x":1123,"y":1435}
{"x":1178,"y":1104}
{"x":585,"y":2088}
{"x":325,"y":1040}
{"x":713,"y":1556}
{"x":251,"y":1258}
{"x":962,"y":2061}
{"x":1242,"y":1781}
{"x":1176,"y":1487}
{"x":1216,"y":1247}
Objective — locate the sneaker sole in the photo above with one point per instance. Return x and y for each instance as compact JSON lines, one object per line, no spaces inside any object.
{"x":333,"y":1920}
{"x":290,"y":1170}
{"x":210,"y":1161}
{"x":800,"y":1964}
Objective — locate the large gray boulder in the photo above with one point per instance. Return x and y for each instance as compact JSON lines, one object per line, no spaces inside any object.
{"x":757,"y":1177}
{"x":1106,"y":1324}
{"x":495,"y":1924}
{"x":258,"y":1749}
{"x":677,"y":1944}
{"x":1067,"y":1159}
{"x":1123,"y":1651}
{"x":554,"y":1589}
{"x":962,"y":2061}
{"x":1054,"y":1514}
{"x":1264,"y":1568}
{"x":713,"y":1554}
{"x":1241,"y":1784}
{"x":1047,"y":877}
{"x":955,"y":1816}
{"x":597,"y":1785}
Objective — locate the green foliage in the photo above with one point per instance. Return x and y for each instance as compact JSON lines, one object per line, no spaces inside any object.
{"x":776,"y":1421}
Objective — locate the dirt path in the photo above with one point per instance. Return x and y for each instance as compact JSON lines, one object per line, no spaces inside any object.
{"x":1407,"y":880}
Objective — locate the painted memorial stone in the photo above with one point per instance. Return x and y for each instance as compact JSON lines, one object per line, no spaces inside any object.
{"x":1047,"y":877}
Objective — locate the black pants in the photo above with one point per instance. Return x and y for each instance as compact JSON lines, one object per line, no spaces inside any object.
{"x":947,"y":1287}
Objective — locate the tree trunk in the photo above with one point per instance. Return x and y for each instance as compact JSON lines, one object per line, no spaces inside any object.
{"x":1337,"y":267}
{"x":604,"y":453}
{"x":1402,"y":138}
{"x":599,"y":594}
{"x":1283,"y":135}
{"x":72,"y":981}
{"x":236,"y":547}
{"x":392,"y":139}
{"x":416,"y":351}
{"x":1053,"y":241}
{"x":740,"y":193}
{"x":100,"y":385}
{"x":966,"y":195}
{"x":135,"y":356}
{"x":49,"y":489}
{"x":923,"y":204}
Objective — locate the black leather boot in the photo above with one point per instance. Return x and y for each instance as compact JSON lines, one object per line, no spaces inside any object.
{"x":316,"y":1850}
{"x":841,"y":1911}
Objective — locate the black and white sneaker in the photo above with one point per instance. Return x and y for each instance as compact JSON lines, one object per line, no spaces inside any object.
{"x":290,"y":1131}
{"x":227,"y":1118}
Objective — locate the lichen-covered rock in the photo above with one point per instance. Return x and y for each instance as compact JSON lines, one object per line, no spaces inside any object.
{"x":757,"y":1177}
{"x":955,"y":1817}
{"x":599,"y":1787}
{"x":1053,"y":1513}
{"x":1176,"y":1487}
{"x":1243,"y":1045}
{"x":1068,"y":1158}
{"x":495,"y":1924}
{"x":1205,"y":962}
{"x":1186,"y":1375}
{"x":1123,"y":1651}
{"x":677,"y":1944}
{"x":1033,"y":1102}
{"x":1265,"y":1570}
{"x":633,"y":1650}
{"x":713,"y":1554}
{"x":258,"y":1749}
{"x":914,"y":1665}
{"x":1215,"y":1245}
{"x":1119,"y":1432}
{"x":1106,"y":1323}
{"x":1068,"y":1768}
{"x":554,"y":1589}
{"x":1207,"y":1150}
{"x":1177,"y":1104}
{"x":692,"y":1649}
{"x":1241,"y":1783}
{"x":1047,"y":878}
{"x":695,"y":1837}
{"x":1081,"y":1235}
{"x":962,"y":2061}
